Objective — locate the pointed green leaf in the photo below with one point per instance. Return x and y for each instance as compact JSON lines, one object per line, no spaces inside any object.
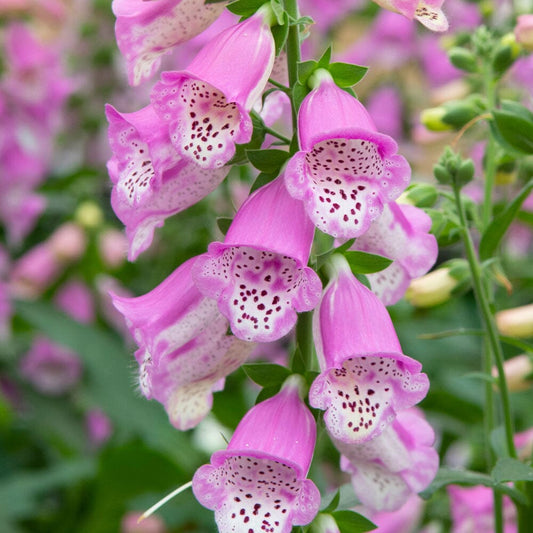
{"x":352,"y":522}
{"x":266,"y":374}
{"x":279,"y":12}
{"x":245,"y":8}
{"x":305,"y":69}
{"x":346,"y":74}
{"x":323,"y":62}
{"x":262,"y":179}
{"x":269,"y":161}
{"x":280,"y":32}
{"x":333,"y":503}
{"x":496,"y":230}
{"x":514,"y":129}
{"x":224,"y":223}
{"x":365,"y":263}
{"x":509,"y":469}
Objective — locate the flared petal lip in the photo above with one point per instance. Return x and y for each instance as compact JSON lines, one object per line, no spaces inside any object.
{"x":387,"y":145}
{"x":218,"y":458}
{"x":218,"y":248}
{"x":413,"y":365}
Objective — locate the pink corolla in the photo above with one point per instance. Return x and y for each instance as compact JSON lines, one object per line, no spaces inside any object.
{"x":151,"y":180}
{"x":76,"y":299}
{"x":184,"y":352}
{"x":258,"y":274}
{"x":388,"y":469}
{"x":401,"y":233}
{"x":207,"y":106}
{"x":365,"y":379}
{"x":259,"y":482}
{"x":427,"y":12}
{"x":345,"y":171}
{"x":472,"y":510}
{"x":51,"y":368}
{"x":145,"y":31}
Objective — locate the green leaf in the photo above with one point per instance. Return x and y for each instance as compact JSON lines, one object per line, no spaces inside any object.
{"x":514,"y":128}
{"x":280,"y":32}
{"x":279,"y":12}
{"x":496,"y":230}
{"x":266,"y":374}
{"x":323,"y":258}
{"x":224,"y":223}
{"x":305,"y":69}
{"x":245,"y":8}
{"x":266,"y":393}
{"x":509,"y":469}
{"x":346,"y":74}
{"x":299,"y":92}
{"x":352,"y":522}
{"x":333,"y":503}
{"x":323,"y":62}
{"x":262,"y":179}
{"x":365,"y":263}
{"x":269,"y":161}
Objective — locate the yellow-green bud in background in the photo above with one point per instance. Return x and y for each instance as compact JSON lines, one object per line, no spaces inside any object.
{"x":516,"y":322}
{"x":463,"y":59}
{"x":453,"y":114}
{"x":89,"y":215}
{"x":419,"y":195}
{"x":432,"y":117}
{"x":518,"y":373}
{"x":324,"y":523}
{"x":507,"y":50}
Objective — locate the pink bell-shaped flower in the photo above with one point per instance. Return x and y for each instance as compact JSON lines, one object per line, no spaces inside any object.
{"x":259,"y":482}
{"x":151,"y":181}
{"x":365,"y":378}
{"x":401,"y":233}
{"x":207,"y":106}
{"x":147,"y":30}
{"x":258,"y":274}
{"x":427,"y":12}
{"x":345,"y":171}
{"x":388,"y":469}
{"x":184,"y":352}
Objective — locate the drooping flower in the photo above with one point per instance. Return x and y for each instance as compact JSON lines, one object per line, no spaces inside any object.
{"x":427,"y":12}
{"x":184,"y":352}
{"x":365,"y":379}
{"x":50,"y":368}
{"x":345,"y":171}
{"x":516,"y":322}
{"x":401,"y":233}
{"x":406,"y":519}
{"x":259,"y":482}
{"x":207,"y":105}
{"x":76,"y":299}
{"x":258,"y":274}
{"x":151,"y":181}
{"x":147,"y":30}
{"x":388,"y":469}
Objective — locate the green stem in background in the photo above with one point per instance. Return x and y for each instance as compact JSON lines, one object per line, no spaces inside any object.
{"x":293,"y":54}
{"x":490,"y":151}
{"x":488,"y":321}
{"x":304,"y":340}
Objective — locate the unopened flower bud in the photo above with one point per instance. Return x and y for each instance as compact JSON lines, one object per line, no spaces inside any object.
{"x":432,"y":119}
{"x":463,"y":59}
{"x":434,"y":288}
{"x":518,"y":373}
{"x":89,"y":215}
{"x":113,"y":245}
{"x":517,"y":322}
{"x":524,"y":31}
{"x":419,"y":195}
{"x":507,"y":50}
{"x":324,"y":523}
{"x":453,"y":169}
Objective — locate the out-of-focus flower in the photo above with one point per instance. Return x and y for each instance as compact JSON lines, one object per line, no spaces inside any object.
{"x":130,"y":524}
{"x":207,"y":106}
{"x":472,"y":510}
{"x":517,"y":322}
{"x":345,"y":171}
{"x":113,"y":247}
{"x":524,"y":31}
{"x":400,"y":461}
{"x":518,"y":373}
{"x":324,"y":523}
{"x":401,"y":233}
{"x":427,"y":12}
{"x":258,"y":274}
{"x":75,"y":298}
{"x":365,"y":379}
{"x":184,"y":352}
{"x":259,"y":482}
{"x":98,"y":426}
{"x":403,"y":520}
{"x":147,"y":30}
{"x":88,"y":215}
{"x":384,"y":105}
{"x":50,"y":368}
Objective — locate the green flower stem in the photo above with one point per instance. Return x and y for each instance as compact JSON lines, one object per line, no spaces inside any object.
{"x":304,"y":339}
{"x":293,"y":55}
{"x":490,"y":158}
{"x":488,"y":321}
{"x":274,"y":133}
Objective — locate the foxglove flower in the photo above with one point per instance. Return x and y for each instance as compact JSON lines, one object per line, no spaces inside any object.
{"x":401,"y":234}
{"x":345,"y":171}
{"x":259,"y":482}
{"x":389,"y":468}
{"x":151,"y":181}
{"x":184,"y":353}
{"x":365,"y":378}
{"x":147,"y":30}
{"x":427,"y":12}
{"x":207,"y":105}
{"x":76,"y":299}
{"x":258,"y":274}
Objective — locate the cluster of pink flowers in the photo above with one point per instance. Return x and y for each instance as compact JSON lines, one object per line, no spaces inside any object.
{"x":344,"y":180}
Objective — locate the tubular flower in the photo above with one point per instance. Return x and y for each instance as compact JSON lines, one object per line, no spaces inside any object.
{"x":345,"y":171}
{"x":401,"y":234}
{"x":427,"y":12}
{"x":151,"y":181}
{"x":365,"y":379}
{"x":258,"y":274}
{"x":207,"y":107}
{"x":259,"y":482}
{"x":388,"y":469}
{"x":147,"y":30}
{"x":184,"y":353}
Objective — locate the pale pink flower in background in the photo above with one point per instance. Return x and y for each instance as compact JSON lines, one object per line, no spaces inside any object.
{"x":76,"y":299}
{"x":427,"y":12}
{"x":99,"y":427}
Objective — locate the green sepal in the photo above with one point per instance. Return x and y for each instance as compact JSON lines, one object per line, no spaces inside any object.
{"x":223,"y":224}
{"x":513,"y":127}
{"x":269,"y":161}
{"x":365,"y":263}
{"x":352,"y":522}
